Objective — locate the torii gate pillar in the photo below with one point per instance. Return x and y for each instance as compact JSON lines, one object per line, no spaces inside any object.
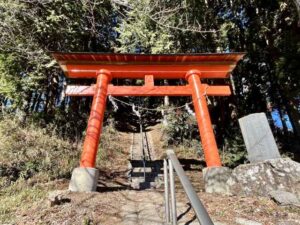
{"x":85,"y":177}
{"x":207,"y":136}
{"x":94,"y":127}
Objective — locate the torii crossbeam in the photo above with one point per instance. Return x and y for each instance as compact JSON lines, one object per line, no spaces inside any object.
{"x":105,"y":67}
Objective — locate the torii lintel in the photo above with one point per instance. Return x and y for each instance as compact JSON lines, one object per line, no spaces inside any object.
{"x":75,"y":90}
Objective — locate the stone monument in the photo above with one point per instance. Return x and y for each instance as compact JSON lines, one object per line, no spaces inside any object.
{"x":258,"y":138}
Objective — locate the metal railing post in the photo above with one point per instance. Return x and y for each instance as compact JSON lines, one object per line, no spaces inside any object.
{"x":167,"y":200}
{"x":143,"y":158}
{"x":197,"y":205}
{"x":172,"y":190}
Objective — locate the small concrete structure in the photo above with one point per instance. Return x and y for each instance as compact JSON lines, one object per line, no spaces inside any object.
{"x":258,"y":138}
{"x":84,"y":179}
{"x":215,"y":179}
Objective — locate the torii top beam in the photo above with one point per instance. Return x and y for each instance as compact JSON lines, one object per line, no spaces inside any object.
{"x":136,"y":66}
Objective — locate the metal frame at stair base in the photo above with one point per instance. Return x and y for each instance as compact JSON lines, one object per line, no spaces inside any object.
{"x":172,"y":163}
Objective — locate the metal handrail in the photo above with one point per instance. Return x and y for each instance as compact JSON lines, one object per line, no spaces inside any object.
{"x":200,"y":211}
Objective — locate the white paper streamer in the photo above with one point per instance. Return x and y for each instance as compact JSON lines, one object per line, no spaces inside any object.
{"x":113,"y":103}
{"x":189,"y":110}
{"x":136,"y":112}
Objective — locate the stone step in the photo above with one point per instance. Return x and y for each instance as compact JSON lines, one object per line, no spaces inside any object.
{"x":149,"y":177}
{"x":142,"y":170}
{"x":140,"y":185}
{"x":140,"y":163}
{"x":144,"y":173}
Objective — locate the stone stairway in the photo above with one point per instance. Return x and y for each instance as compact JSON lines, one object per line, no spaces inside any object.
{"x":145,"y":203}
{"x":145,"y":170}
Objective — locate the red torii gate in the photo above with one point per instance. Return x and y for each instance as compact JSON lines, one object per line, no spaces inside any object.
{"x":104,"y":67}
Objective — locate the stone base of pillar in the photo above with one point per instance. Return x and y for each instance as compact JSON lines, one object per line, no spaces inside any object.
{"x":215,"y":179}
{"x":84,"y":179}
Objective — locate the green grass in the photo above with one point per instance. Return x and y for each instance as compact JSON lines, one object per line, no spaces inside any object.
{"x":28,"y":150}
{"x":18,"y":197}
{"x":30,"y":156}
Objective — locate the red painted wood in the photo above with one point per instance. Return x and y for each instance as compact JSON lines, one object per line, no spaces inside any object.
{"x":139,"y":71}
{"x":80,"y":90}
{"x":210,"y":149}
{"x":73,"y":90}
{"x":172,"y":66}
{"x":93,"y":132}
{"x":149,"y":91}
{"x":149,"y":58}
{"x":149,"y":80}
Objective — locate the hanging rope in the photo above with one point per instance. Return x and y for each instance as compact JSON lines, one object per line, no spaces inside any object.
{"x":148,"y":109}
{"x":205,"y":94}
{"x":136,"y":109}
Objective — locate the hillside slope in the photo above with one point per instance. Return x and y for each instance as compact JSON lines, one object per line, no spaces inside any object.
{"x":116,"y":203}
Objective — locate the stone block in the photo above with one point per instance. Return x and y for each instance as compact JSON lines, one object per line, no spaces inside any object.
{"x":84,"y":179}
{"x":215,"y":179}
{"x":258,"y":138}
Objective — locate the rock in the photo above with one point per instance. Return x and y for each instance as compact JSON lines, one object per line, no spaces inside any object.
{"x":285,"y":198}
{"x":218,"y":223}
{"x":58,"y":197}
{"x":136,"y":183}
{"x":289,"y":222}
{"x":261,"y":178}
{"x":243,"y":221}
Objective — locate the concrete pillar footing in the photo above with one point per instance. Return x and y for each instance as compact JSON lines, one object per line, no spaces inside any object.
{"x":215,"y":179}
{"x":84,"y":179}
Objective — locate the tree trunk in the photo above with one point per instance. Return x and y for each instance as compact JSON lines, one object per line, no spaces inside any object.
{"x":297,"y":3}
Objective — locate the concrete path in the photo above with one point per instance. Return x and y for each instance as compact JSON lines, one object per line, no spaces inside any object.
{"x":143,"y":208}
{"x":147,"y":208}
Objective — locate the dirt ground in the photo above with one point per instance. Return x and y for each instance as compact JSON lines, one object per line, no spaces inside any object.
{"x":106,"y":206}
